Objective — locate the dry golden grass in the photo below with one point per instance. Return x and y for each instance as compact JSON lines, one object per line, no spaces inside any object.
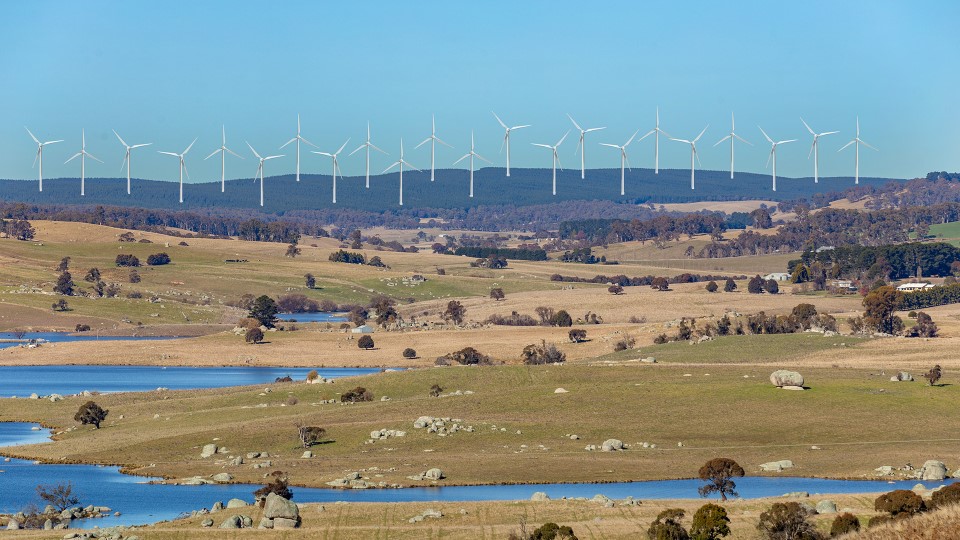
{"x":718,"y":206}
{"x":940,"y":524}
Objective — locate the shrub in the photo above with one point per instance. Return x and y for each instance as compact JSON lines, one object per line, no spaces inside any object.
{"x":944,"y":496}
{"x":127,"y":260}
{"x":552,"y":531}
{"x":292,"y":400}
{"x":615,"y":289}
{"x":91,"y":413}
{"x":845,"y":523}
{"x":435,"y":390}
{"x":712,"y":287}
{"x":661,"y":339}
{"x":347,"y":257}
{"x":145,"y":241}
{"x":60,"y":305}
{"x":577,"y":335}
{"x":285,"y":378}
{"x":514,"y":319}
{"x":409,"y":353}
{"x":134,"y":295}
{"x":626,"y":343}
{"x":253,"y":335}
{"x":297,"y":303}
{"x":278,"y":486}
{"x":562,"y":318}
{"x":93,"y":275}
{"x":365,"y":342}
{"x":310,"y":435}
{"x":899,"y":502}
{"x":309,"y":281}
{"x":134,"y":276}
{"x":925,"y":326}
{"x":183,"y":244}
{"x":312,"y":375}
{"x":377,"y":262}
{"x":454,"y":312}
{"x":730,"y":285}
{"x":497,"y":294}
{"x":933,"y":375}
{"x":718,"y":473}
{"x":786,"y":521}
{"x":467,"y":356}
{"x":292,"y":251}
{"x":64,"y":284}
{"x":82,"y":328}
{"x":771,"y":286}
{"x":667,"y":526}
{"x":755,"y":285}
{"x":158,"y":259}
{"x":543,"y":354}
{"x":710,"y":522}
{"x":356,"y":395}
{"x":660,"y":284}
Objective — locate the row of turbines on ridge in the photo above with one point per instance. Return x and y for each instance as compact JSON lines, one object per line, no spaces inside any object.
{"x":472,"y":154}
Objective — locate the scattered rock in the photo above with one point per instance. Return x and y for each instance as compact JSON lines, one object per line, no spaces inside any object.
{"x":826,"y":506}
{"x":222,"y":477}
{"x":776,"y":466}
{"x":932,"y":470}
{"x":217,"y":506}
{"x":434,"y":474}
{"x":783,"y":377}
{"x":902,"y":376}
{"x":649,"y":360}
{"x":560,"y":391}
{"x":236,"y":503}
{"x":612,"y":445}
{"x":307,"y":455}
{"x":796,"y":494}
{"x":208,"y":450}
{"x":232,"y":522}
{"x":283,"y":512}
{"x":791,"y":387}
{"x":206,"y":523}
{"x":539,"y":496}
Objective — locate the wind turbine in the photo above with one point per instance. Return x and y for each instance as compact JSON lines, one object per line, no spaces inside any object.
{"x":580,"y":147}
{"x":298,"y":138}
{"x":859,"y":141}
{"x":732,"y":135}
{"x":506,"y":138}
{"x":556,"y":158}
{"x":39,"y":156}
{"x":773,"y":154}
{"x":401,"y":163}
{"x":260,"y":168}
{"x":82,"y":154}
{"x":183,"y":166}
{"x":368,"y":145}
{"x":433,"y":140}
{"x":223,"y":159}
{"x":656,"y":152}
{"x":815,"y":149}
{"x":126,"y":157}
{"x":693,"y":151}
{"x":471,"y":155}
{"x":624,"y":162}
{"x":336,"y":166}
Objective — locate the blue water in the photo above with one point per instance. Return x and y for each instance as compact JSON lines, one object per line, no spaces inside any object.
{"x":312,"y":317}
{"x":22,"y":381}
{"x":141,"y":503}
{"x":63,"y":337}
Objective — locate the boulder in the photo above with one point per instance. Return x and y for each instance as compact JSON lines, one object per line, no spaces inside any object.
{"x":206,"y":523}
{"x":902,"y":376}
{"x":278,"y":507}
{"x":307,"y":455}
{"x":237,"y":461}
{"x":539,"y":496}
{"x":236,"y":503}
{"x":612,"y":445}
{"x":56,"y":397}
{"x":208,"y":450}
{"x":884,"y":470}
{"x":782,"y":377}
{"x":790,"y":387}
{"x":13,"y":525}
{"x":560,"y":391}
{"x":826,"y":506}
{"x":217,"y":506}
{"x":436,"y":514}
{"x":932,"y":470}
{"x":434,"y":474}
{"x":776,"y":466}
{"x":222,"y":477}
{"x":232,"y":522}
{"x":285,"y":523}
{"x":265,"y":523}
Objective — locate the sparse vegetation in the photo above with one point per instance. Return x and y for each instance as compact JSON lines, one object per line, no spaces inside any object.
{"x":667,"y":526}
{"x":278,"y":486}
{"x":59,"y":496}
{"x":356,"y":395}
{"x":786,"y":521}
{"x":577,"y":335}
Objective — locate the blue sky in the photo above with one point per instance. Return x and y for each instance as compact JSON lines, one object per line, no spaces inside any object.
{"x":166,"y":72}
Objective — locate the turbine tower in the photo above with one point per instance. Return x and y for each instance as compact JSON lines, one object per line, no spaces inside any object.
{"x":336,"y":166}
{"x":732,"y":135}
{"x":433,"y":140}
{"x":858,"y":141}
{"x":624,"y":162}
{"x":773,"y":154}
{"x":471,"y":155}
{"x":506,"y":138}
{"x":39,"y":156}
{"x":223,"y":159}
{"x":580,"y":147}
{"x":368,"y":145}
{"x":260,"y":168}
{"x":183,"y":166}
{"x":82,"y":154}
{"x":693,"y":153}
{"x":298,"y":138}
{"x":401,"y":163}
{"x":126,"y":157}
{"x":656,"y":152}
{"x":556,"y":158}
{"x":815,"y":149}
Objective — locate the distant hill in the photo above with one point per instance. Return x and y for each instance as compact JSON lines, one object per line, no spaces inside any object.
{"x":525,"y":187}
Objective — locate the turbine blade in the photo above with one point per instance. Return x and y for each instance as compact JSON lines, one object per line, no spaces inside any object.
{"x":828,"y":133}
{"x":770,"y":155}
{"x":191,"y":146}
{"x":594,"y":129}
{"x":141,"y":145}
{"x":342,"y":146}
{"x":499,"y":120}
{"x":252,"y":150}
{"x":72,"y":158}
{"x":213,"y":154}
{"x":812,"y":146}
{"x":520,"y":127}
{"x":359,"y":148}
{"x":723,"y":139}
{"x":35,"y":158}
{"x":288,"y":142}
{"x":124,"y":162}
{"x":328,"y":154}
{"x":123,"y":142}
{"x":701,"y":134}
{"x":308,"y":142}
{"x":680,"y":140}
{"x":868,"y":146}
{"x":378,"y":150}
{"x":168,"y":153}
{"x":52,"y":142}
{"x":543,"y":145}
{"x":234,"y":153}
{"x":574,"y":122}
{"x":630,"y":140}
{"x":38,"y":142}
{"x":439,"y":140}
{"x":274,"y":157}
{"x":563,"y":138}
{"x":425,"y":141}
{"x":185,"y":171}
{"x":478,"y":156}
{"x":765,"y":135}
{"x":697,"y":155}
{"x":846,"y":145}
{"x":610,"y":145}
{"x":786,"y":141}
{"x":461,"y":159}
{"x":807,"y":126}
{"x":742,"y":139}
{"x":649,"y":133}
{"x":390,"y":167}
{"x":91,"y":156}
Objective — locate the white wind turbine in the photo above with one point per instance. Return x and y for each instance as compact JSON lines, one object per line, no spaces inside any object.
{"x":126,"y":157}
{"x":368,"y":145}
{"x":624,"y":162}
{"x":815,"y":149}
{"x":556,"y":158}
{"x":82,"y":154}
{"x":433,"y":140}
{"x":732,"y":135}
{"x":39,"y":156}
{"x":506,"y":138}
{"x":773,"y":154}
{"x":401,"y":163}
{"x":471,"y":155}
{"x":580,"y":147}
{"x":858,"y":141}
{"x":693,"y":152}
{"x":223,"y":159}
{"x":183,"y":165}
{"x":336,"y":166}
{"x":260,"y":168}
{"x":298,"y":138}
{"x":656,"y":152}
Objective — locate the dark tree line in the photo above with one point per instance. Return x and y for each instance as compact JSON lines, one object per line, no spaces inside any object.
{"x":504,"y":253}
{"x":625,"y":281}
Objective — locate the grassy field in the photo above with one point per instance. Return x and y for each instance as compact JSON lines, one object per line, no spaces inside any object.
{"x":946,"y":232}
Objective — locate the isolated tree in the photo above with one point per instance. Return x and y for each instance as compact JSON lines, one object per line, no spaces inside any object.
{"x":64,"y":284}
{"x":278,"y":486}
{"x":93,"y":275}
{"x":755,"y":286}
{"x":562,"y":319}
{"x":91,"y":413}
{"x":667,"y":526}
{"x":310,"y":435}
{"x":377,"y":262}
{"x":454,"y":312}
{"x":660,"y":284}
{"x":577,"y":335}
{"x":60,"y":305}
{"x":435,"y":390}
{"x":771,"y":286}
{"x":545,"y":314}
{"x":552,"y":531}
{"x":60,"y":496}
{"x":134,"y":276}
{"x":712,"y":287}
{"x":358,"y":316}
{"x":880,"y":305}
{"x":615,"y":289}
{"x":718,"y":473}
{"x":787,"y":521}
{"x":125,"y":259}
{"x":730,"y":285}
{"x":309,"y":281}
{"x":158,"y":259}
{"x":497,"y":294}
{"x":292,"y":251}
{"x":710,"y":522}
{"x":264,"y":309}
{"x":933,"y":375}
{"x":365,"y":342}
{"x":253,"y":335}
{"x":409,"y":353}
{"x":64,"y":265}
{"x":925,"y":326}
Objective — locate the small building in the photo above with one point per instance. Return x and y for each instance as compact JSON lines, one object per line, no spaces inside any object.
{"x":910,"y":287}
{"x":777,"y":276}
{"x":844,"y":284}
{"x":363,"y":329}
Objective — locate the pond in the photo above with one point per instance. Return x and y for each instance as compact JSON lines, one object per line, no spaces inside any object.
{"x":317,"y":316}
{"x":9,"y":339}
{"x":140,"y":502}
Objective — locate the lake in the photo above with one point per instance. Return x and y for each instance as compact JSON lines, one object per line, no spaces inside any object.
{"x":64,"y":337}
{"x":317,"y":316}
{"x":140,"y":502}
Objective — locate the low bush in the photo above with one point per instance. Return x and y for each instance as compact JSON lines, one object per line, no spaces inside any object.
{"x":365,"y":342}
{"x":356,"y":395}
{"x":843,"y":524}
{"x":543,"y":353}
{"x":409,"y":353}
{"x":899,"y":502}
{"x":158,"y":259}
{"x":468,"y":356}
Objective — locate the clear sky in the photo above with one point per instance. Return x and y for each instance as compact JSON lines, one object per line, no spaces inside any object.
{"x":166,"y":72}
